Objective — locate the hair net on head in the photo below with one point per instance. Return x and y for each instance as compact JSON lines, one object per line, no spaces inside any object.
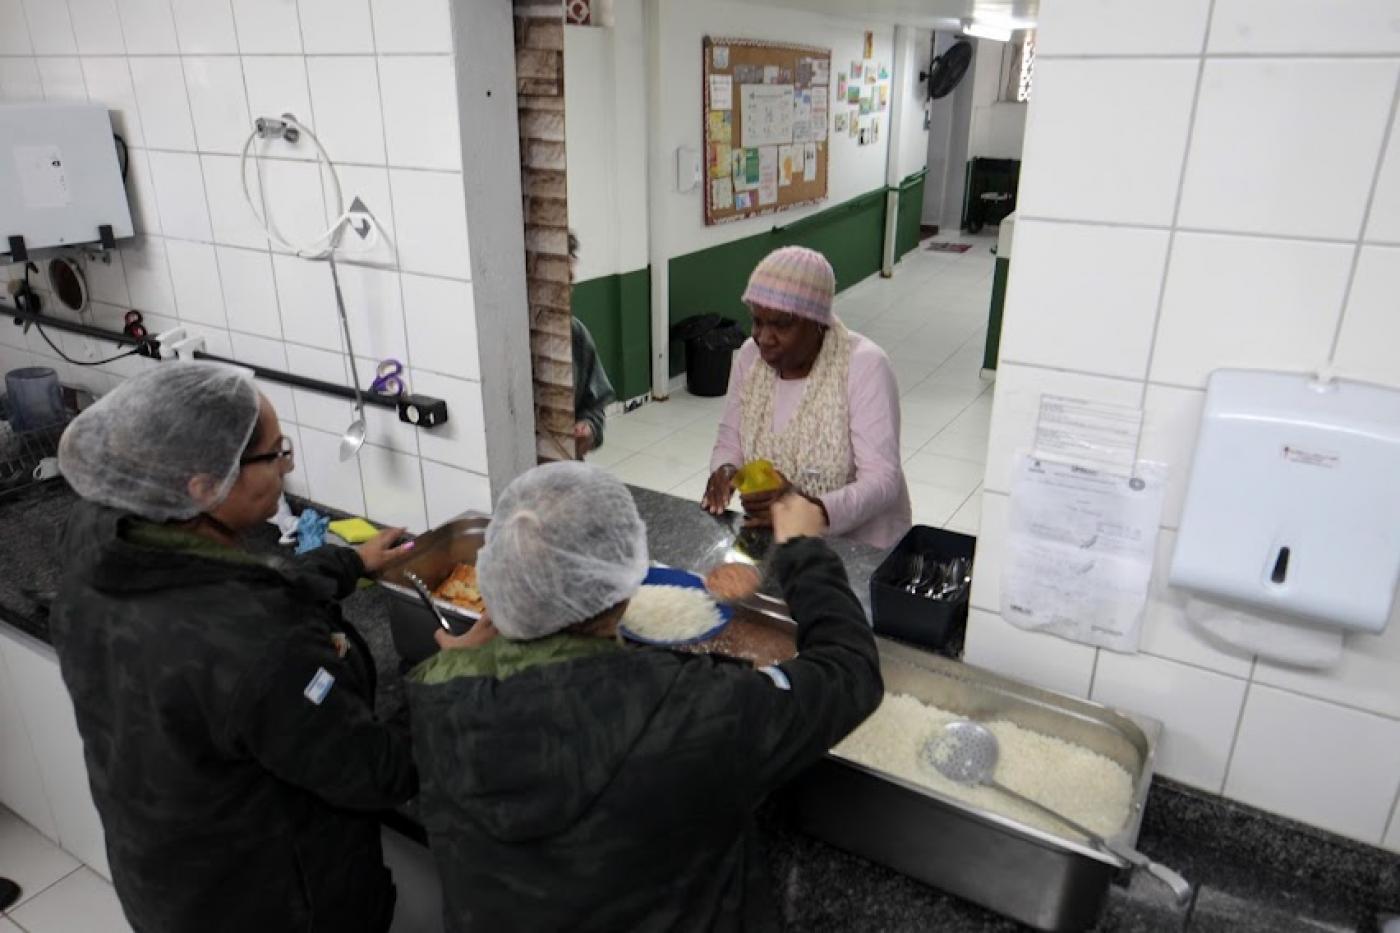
{"x":564,"y":545}
{"x":139,"y":446}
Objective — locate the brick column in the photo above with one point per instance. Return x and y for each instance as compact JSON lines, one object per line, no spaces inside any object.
{"x":539,"y":72}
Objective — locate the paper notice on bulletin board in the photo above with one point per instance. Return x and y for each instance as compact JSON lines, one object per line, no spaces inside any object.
{"x":721,"y":92}
{"x":767,"y":113}
{"x":767,"y":175}
{"x":1079,"y":550}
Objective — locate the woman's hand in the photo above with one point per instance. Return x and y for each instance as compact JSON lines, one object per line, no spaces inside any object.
{"x":796,"y":516}
{"x":583,"y":439}
{"x":758,"y":506}
{"x":719,"y":490}
{"x":482,"y":631}
{"x":379,"y":551}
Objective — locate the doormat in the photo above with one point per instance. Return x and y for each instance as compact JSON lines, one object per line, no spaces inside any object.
{"x":949,"y":247}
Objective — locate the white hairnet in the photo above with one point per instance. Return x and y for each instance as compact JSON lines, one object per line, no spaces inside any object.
{"x":139,"y":446}
{"x":564,"y":545}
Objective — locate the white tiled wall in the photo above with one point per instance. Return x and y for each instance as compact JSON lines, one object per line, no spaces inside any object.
{"x":376,"y":80}
{"x":1207,"y":184}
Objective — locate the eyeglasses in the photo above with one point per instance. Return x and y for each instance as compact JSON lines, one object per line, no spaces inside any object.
{"x":284,"y":451}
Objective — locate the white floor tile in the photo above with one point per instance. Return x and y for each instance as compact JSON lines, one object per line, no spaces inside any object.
{"x":635,"y":434}
{"x":8,"y":927}
{"x":934,"y":505}
{"x":962,"y":442}
{"x":968,"y":519}
{"x":692,"y":444}
{"x":30,"y":860}
{"x":957,"y":476}
{"x":80,"y":903}
{"x":610,"y":454}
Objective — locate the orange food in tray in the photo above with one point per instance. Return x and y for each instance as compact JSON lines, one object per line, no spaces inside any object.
{"x":460,"y":589}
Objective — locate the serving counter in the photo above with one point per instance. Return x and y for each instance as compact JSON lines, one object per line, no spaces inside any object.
{"x":1253,"y":871}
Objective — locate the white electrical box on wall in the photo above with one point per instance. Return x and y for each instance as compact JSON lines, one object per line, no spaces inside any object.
{"x":60,"y":181}
{"x":689,"y":168}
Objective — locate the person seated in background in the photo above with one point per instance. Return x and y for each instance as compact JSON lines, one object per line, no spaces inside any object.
{"x":593,"y":393}
{"x":571,"y":782}
{"x":817,"y":401}
{"x":225,"y":707}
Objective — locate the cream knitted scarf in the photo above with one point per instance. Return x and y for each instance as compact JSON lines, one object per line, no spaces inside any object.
{"x":814,"y":449}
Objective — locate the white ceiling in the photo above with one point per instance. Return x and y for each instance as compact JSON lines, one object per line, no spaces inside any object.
{"x":935,"y":14}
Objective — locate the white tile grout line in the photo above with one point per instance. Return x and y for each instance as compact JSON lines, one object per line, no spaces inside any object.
{"x":1213,"y":56}
{"x":1393,"y":819}
{"x":1206,"y":231}
{"x":302,"y":54}
{"x":1390,"y":131}
{"x":295,"y":160}
{"x":1176,"y":215}
{"x":26,"y":899}
{"x":1239,"y":726}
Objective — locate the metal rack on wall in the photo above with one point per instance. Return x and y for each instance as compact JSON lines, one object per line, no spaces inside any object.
{"x":424,"y":411}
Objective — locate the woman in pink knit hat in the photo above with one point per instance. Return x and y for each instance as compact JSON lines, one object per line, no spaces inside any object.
{"x":818,"y":401}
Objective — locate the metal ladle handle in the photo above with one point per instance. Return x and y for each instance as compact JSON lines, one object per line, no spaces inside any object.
{"x":1180,"y":887}
{"x":427,"y":598}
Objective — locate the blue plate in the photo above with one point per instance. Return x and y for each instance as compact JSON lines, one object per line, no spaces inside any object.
{"x":670,"y":576}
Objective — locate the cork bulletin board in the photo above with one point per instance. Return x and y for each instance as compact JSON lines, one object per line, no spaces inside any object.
{"x":767,"y":108}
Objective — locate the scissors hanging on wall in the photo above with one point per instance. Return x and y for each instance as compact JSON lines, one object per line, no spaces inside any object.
{"x":388,"y":378}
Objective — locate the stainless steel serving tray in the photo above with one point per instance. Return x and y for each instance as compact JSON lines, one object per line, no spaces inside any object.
{"x":1018,"y":870}
{"x":433,"y":557}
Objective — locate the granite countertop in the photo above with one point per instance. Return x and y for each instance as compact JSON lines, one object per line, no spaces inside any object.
{"x":1253,"y":871}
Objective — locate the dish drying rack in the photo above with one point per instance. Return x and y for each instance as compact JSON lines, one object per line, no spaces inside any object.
{"x":22,"y":451}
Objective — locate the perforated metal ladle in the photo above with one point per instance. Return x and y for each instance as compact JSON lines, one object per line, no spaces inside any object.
{"x":966,"y":752}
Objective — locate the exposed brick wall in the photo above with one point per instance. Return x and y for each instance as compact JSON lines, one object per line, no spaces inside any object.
{"x":539,"y":71}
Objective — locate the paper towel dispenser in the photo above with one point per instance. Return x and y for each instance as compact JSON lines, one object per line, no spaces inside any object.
{"x":1293,"y":505}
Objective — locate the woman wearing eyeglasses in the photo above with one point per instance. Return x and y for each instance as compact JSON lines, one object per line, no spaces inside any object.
{"x":226,"y":709}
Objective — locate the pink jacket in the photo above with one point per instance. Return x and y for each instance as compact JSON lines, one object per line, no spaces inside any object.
{"x":873,"y":509}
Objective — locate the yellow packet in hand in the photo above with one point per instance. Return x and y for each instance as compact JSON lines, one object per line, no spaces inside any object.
{"x":757,"y":476}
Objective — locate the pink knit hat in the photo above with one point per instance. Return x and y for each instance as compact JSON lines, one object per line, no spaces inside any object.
{"x":796,"y":280}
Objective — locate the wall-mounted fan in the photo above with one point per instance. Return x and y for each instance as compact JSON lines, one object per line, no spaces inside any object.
{"x":948,"y":69}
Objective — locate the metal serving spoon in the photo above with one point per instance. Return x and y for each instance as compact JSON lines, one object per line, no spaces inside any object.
{"x":354,"y":437}
{"x":966,"y":753}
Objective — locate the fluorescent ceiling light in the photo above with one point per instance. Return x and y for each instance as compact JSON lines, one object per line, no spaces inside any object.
{"x":983,"y":31}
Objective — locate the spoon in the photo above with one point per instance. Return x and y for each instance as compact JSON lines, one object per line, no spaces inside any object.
{"x":427,"y":598}
{"x":966,"y":753}
{"x":354,"y":437}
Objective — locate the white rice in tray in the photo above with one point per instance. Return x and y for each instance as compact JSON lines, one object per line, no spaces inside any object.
{"x":671,"y":613}
{"x":1083,"y":785}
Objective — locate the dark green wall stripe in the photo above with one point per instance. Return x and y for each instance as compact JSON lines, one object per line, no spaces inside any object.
{"x":712,"y":280}
{"x":993,"y":348}
{"x":617,"y":308}
{"x":911,"y":205}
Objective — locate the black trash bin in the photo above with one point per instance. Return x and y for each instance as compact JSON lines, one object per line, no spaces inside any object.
{"x":710,"y":342}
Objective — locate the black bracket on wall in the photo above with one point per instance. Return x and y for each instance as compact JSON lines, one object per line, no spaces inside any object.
{"x":424,"y":411}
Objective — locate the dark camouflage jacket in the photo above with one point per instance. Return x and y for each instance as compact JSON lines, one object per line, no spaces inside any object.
{"x":573,"y":784}
{"x":235,"y":782}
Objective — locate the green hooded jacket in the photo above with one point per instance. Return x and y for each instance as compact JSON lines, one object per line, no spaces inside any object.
{"x":574,"y":784}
